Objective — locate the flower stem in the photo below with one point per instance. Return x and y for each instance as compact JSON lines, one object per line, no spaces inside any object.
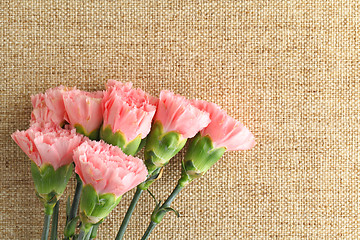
{"x":94,"y":229}
{"x":85,"y":233}
{"x":87,"y":237}
{"x":159,"y":213}
{"x":81,"y":234}
{"x":75,"y":203}
{"x":54,"y":224}
{"x":151,"y":227}
{"x":128,"y":214}
{"x":173,"y":195}
{"x":45,"y":232}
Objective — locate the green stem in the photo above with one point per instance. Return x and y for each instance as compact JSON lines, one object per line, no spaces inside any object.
{"x":94,"y":230}
{"x":151,"y":227}
{"x":85,"y":233}
{"x":128,"y":214}
{"x":54,"y":224}
{"x":172,"y":196}
{"x":81,"y":234}
{"x":159,"y":213}
{"x":75,"y":203}
{"x":45,"y":232}
{"x":87,"y":237}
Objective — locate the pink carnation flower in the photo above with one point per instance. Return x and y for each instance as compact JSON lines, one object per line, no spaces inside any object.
{"x":83,"y":108}
{"x":127,"y":110}
{"x":48,"y":144}
{"x":107,"y":168}
{"x":177,"y":114}
{"x":49,"y":107}
{"x":223,"y":130}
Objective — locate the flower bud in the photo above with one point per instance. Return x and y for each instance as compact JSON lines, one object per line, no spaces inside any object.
{"x":199,"y":158}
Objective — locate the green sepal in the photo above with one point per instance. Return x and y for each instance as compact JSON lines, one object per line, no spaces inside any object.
{"x":88,"y":200}
{"x":70,"y":227}
{"x":142,"y":144}
{"x":160,"y":147}
{"x":94,"y":135}
{"x":106,"y":203}
{"x":50,"y":184}
{"x":119,"y":139}
{"x":94,"y":207}
{"x":199,"y":158}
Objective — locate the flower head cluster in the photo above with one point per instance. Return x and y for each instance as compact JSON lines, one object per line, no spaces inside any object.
{"x":125,"y":119}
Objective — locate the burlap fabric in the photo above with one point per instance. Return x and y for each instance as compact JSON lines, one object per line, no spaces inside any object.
{"x":288,"y":69}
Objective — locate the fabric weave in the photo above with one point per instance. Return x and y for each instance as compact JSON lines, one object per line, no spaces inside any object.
{"x":289,"y":70}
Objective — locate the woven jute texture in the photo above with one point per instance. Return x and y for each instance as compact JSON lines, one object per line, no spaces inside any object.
{"x":289,"y":70}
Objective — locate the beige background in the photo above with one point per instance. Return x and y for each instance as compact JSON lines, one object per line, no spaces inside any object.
{"x":288,"y":69}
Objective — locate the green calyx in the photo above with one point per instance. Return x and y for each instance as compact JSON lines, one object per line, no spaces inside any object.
{"x":50,"y":184}
{"x":94,"y":207}
{"x":119,"y":139}
{"x":94,"y":135}
{"x":199,"y":158}
{"x":70,"y":227}
{"x":161,"y":147}
{"x":155,"y":175}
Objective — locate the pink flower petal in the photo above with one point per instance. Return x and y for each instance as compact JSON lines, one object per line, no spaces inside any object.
{"x":176,"y":113}
{"x":223,"y":130}
{"x":107,"y":168}
{"x":49,"y":144}
{"x":49,"y":107}
{"x":83,"y":108}
{"x":128,"y":110}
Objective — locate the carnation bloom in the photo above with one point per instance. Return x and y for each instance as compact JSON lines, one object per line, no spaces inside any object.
{"x":224,"y":130}
{"x":51,"y":150}
{"x":83,"y":110}
{"x":127,"y":115}
{"x":48,"y":144}
{"x":176,"y":119}
{"x":49,"y":107}
{"x":107,"y":168}
{"x":223,"y":133}
{"x":177,"y":114}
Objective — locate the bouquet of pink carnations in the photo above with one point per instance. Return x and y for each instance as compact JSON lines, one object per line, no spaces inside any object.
{"x":97,"y":135}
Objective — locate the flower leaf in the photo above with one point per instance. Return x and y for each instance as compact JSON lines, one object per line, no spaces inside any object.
{"x":168,"y":209}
